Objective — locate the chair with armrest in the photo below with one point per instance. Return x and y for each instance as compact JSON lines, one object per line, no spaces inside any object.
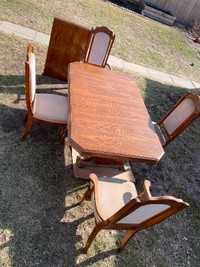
{"x":42,"y":108}
{"x":186,"y":110}
{"x":99,"y":47}
{"x":117,"y":205}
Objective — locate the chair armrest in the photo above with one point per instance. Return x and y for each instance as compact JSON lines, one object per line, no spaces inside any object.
{"x":146,"y":185}
{"x":94,"y":180}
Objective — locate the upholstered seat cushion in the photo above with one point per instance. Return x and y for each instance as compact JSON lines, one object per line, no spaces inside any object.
{"x":113,"y":194}
{"x":51,"y":108}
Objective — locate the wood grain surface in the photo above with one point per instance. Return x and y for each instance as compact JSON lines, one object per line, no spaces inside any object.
{"x":107,"y":116}
{"x":67,"y":44}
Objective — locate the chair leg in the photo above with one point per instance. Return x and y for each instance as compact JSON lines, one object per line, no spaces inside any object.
{"x":126,"y":239}
{"x":26,"y":118}
{"x":62,"y":133}
{"x":84,"y":197}
{"x":27,"y":130}
{"x":87,"y":194}
{"x":91,"y":237}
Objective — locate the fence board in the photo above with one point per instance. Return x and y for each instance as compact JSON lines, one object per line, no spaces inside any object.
{"x":185,"y":11}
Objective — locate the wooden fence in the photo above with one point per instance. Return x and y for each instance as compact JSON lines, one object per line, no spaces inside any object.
{"x":185,"y":11}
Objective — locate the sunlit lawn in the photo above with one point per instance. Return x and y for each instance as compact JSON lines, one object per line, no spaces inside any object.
{"x":138,"y":39}
{"x":41,"y":223}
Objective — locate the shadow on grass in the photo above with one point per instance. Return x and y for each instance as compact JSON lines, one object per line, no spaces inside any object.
{"x":159,"y":99}
{"x":132,"y":6}
{"x":15,"y":84}
{"x":40,"y":214}
{"x":35,"y":182}
{"x":42,"y":225}
{"x":35,"y":179}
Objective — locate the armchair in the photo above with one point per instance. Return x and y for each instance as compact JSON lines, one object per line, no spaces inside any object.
{"x":117,"y":205}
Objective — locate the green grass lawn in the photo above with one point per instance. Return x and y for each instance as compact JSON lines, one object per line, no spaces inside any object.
{"x":41,"y":223}
{"x":138,"y":39}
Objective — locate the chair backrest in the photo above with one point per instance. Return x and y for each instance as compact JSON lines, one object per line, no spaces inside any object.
{"x":30,"y":78}
{"x":139,"y":212}
{"x":99,"y":46}
{"x":146,"y":213}
{"x":181,"y":116}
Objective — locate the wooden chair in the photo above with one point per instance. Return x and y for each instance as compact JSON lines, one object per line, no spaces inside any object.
{"x":186,"y":110}
{"x":117,"y":205}
{"x":42,"y":108}
{"x":99,"y":46}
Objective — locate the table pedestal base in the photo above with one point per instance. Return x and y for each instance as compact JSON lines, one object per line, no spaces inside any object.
{"x":99,"y":162}
{"x":102,"y":171}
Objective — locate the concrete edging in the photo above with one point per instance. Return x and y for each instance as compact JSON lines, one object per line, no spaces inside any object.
{"x":39,"y":37}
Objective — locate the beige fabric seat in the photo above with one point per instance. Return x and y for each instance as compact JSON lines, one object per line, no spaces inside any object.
{"x":117,"y":205}
{"x":42,"y":108}
{"x":178,"y":118}
{"x":115,"y":193}
{"x":52,"y":108}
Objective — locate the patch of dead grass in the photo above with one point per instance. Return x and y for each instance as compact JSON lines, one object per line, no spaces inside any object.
{"x":41,"y":223}
{"x":138,"y":39}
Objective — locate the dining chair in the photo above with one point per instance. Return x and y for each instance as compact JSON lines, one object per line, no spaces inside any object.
{"x":42,"y":108}
{"x":186,"y":110}
{"x":117,"y":205}
{"x":99,"y":47}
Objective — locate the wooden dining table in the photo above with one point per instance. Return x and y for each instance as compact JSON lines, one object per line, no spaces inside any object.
{"x":107,"y":116}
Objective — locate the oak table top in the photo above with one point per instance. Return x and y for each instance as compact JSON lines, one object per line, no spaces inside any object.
{"x":107,"y":116}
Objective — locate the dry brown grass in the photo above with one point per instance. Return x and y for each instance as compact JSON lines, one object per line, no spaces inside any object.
{"x":138,"y":39}
{"x":41,"y":223}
